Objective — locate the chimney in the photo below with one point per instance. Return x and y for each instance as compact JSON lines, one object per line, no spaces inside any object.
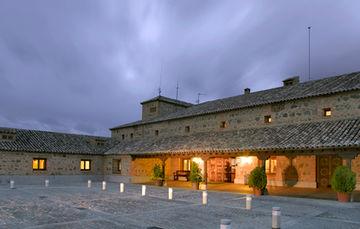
{"x":247,"y":91}
{"x":291,"y":81}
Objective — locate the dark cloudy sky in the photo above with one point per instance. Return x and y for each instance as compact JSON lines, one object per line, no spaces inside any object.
{"x":84,"y":66}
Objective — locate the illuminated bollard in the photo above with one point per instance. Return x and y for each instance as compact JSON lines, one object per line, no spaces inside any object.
{"x":248,"y":202}
{"x":12,"y":183}
{"x":143,"y":190}
{"x":104,"y":185}
{"x":121,"y":187}
{"x":46,"y":183}
{"x":276,"y":214}
{"x":204,"y":197}
{"x":225,"y":224}
{"x":89,"y":183}
{"x":170,"y":193}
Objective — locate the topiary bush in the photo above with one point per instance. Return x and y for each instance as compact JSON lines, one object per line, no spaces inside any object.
{"x":343,"y":180}
{"x":157,"y":173}
{"x":257,"y":178}
{"x":195,"y":173}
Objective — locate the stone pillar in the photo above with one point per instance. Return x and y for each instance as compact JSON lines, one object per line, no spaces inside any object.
{"x":262,"y":159}
{"x":347,"y":158}
{"x":205,"y":159}
{"x":163,"y":164}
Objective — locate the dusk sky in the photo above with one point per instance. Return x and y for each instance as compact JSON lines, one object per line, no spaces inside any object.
{"x":84,"y":66}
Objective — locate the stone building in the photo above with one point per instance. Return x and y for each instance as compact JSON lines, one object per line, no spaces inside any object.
{"x":299,"y":132}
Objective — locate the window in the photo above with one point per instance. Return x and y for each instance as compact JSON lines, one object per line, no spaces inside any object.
{"x":131,"y":135}
{"x":223,"y":124}
{"x":116,"y":166}
{"x":327,"y":112}
{"x":85,"y":165}
{"x":123,"y":136}
{"x":187,"y":129}
{"x":152,"y":109}
{"x":270,"y":165}
{"x":267,"y":119}
{"x":186,"y":164}
{"x":156,"y":132}
{"x":39,"y":164}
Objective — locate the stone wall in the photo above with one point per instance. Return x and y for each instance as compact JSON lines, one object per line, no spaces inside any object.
{"x":20,"y":163}
{"x":60,"y":168}
{"x":110,"y":168}
{"x":344,"y":105}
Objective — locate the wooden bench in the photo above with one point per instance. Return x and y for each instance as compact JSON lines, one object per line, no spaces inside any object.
{"x":181,"y":173}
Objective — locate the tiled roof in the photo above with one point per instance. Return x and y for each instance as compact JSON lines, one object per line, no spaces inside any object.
{"x":314,"y":135}
{"x":51,"y":142}
{"x":169,"y":100}
{"x":326,"y":86}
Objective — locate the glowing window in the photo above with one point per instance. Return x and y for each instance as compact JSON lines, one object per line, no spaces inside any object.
{"x":223,"y":124}
{"x":39,"y":164}
{"x":85,"y":165}
{"x":270,"y":165}
{"x":327,"y":112}
{"x":267,"y":119}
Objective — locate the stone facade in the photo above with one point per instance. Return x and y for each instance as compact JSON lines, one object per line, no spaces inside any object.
{"x":60,"y":167}
{"x":344,"y":105}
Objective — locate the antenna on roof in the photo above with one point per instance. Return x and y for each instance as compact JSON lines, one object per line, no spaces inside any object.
{"x":198,"y":98}
{"x":177,"y":90}
{"x":159,"y":89}
{"x":309,"y":30}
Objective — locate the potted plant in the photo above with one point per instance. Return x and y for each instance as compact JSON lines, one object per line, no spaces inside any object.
{"x":158,"y":175}
{"x":343,"y":182}
{"x":257,"y":180}
{"x":195,"y":175}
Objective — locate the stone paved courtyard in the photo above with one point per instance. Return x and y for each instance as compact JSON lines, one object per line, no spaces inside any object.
{"x":76,"y":206}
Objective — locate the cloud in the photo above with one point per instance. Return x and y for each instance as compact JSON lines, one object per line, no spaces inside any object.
{"x":85,"y":67}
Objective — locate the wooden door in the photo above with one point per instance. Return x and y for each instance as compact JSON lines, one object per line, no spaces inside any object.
{"x":326,"y":164}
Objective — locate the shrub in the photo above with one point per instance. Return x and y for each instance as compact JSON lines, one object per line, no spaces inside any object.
{"x":343,"y":180}
{"x":257,"y":178}
{"x":195,"y":173}
{"x":157,"y":173}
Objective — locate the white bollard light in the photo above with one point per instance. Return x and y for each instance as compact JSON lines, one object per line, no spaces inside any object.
{"x":89,"y":183}
{"x":204,"y":197}
{"x":225,"y":224}
{"x":121,"y":187}
{"x":248,"y":202}
{"x":104,"y":185}
{"x":276,"y":218}
{"x":170,"y":193}
{"x":143,"y":190}
{"x":46,"y":183}
{"x":12,"y":183}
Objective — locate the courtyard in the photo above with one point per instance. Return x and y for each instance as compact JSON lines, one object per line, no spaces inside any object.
{"x":76,"y":206}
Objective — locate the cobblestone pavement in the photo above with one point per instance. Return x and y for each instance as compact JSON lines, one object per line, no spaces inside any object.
{"x":76,"y":206}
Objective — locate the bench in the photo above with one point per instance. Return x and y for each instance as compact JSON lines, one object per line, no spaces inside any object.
{"x":181,"y":173}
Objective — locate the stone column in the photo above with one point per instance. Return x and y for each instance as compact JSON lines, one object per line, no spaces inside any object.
{"x":262,"y":158}
{"x":205,"y":159}
{"x":163,"y":164}
{"x":347,"y":158}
